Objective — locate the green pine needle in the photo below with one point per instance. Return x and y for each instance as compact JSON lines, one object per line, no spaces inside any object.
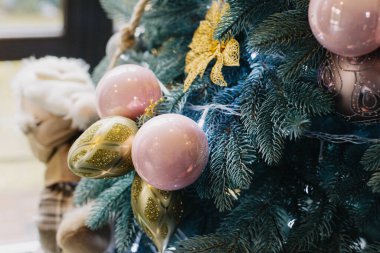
{"x":109,"y":201}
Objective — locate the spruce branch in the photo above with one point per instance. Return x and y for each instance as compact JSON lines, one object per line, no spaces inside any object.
{"x":289,"y":26}
{"x":294,"y":124}
{"x":240,"y":157}
{"x":243,"y":14}
{"x":268,"y":139}
{"x":219,"y":181}
{"x":374,"y":182}
{"x":373,"y":248}
{"x":307,"y":56}
{"x":174,"y":103}
{"x":300,"y":4}
{"x":109,"y":201}
{"x":371,"y":163}
{"x":308,"y":99}
{"x":90,"y":189}
{"x":316,"y":226}
{"x":118,"y":9}
{"x":214,"y":243}
{"x":259,"y":221}
{"x":125,"y":229}
{"x":371,"y":158}
{"x":177,"y":19}
{"x":253,"y":94}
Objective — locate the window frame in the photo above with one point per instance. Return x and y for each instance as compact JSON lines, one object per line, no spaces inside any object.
{"x":85,"y":33}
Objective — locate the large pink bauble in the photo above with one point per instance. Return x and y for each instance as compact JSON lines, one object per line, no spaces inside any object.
{"x":170,"y":151}
{"x":346,"y":27}
{"x":126,"y":91}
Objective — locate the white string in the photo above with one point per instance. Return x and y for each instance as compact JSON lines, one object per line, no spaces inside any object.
{"x":339,"y":139}
{"x":202,"y":120}
{"x":229,"y":110}
{"x":163,"y":88}
{"x":332,"y":138}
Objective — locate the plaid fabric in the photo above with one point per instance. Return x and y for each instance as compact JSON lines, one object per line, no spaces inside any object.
{"x":56,"y":200}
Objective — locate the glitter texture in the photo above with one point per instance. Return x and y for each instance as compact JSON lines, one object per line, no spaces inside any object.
{"x":124,"y":164}
{"x":136,"y":188}
{"x":156,"y":211}
{"x":204,"y":48}
{"x":103,"y":158}
{"x":151,"y":210}
{"x":118,"y":133}
{"x":89,"y":134}
{"x":79,"y":155}
{"x":98,"y":152}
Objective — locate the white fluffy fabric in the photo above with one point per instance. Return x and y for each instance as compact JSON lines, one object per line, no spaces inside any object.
{"x":61,"y":86}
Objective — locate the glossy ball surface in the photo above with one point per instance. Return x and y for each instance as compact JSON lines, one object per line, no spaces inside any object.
{"x":170,"y":152}
{"x":346,"y":27}
{"x":126,"y":91}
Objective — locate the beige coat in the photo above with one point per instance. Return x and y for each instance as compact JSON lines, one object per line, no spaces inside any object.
{"x":50,"y":142}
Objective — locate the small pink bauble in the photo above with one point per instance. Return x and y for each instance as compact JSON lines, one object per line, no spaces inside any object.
{"x":346,"y":27}
{"x":126,"y":91}
{"x":170,"y":152}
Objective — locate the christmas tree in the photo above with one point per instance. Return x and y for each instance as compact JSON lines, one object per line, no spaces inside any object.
{"x":287,"y":93}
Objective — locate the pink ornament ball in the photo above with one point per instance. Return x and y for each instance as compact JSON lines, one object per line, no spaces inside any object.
{"x":127,"y":90}
{"x":170,"y":152}
{"x":346,"y":27}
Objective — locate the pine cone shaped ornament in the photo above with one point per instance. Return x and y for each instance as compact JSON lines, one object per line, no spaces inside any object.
{"x":157,"y":212}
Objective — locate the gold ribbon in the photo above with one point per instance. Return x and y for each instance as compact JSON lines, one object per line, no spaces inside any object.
{"x":204,"y":48}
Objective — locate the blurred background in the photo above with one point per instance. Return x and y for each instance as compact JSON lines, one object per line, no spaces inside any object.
{"x":71,"y":28}
{"x":31,"y":18}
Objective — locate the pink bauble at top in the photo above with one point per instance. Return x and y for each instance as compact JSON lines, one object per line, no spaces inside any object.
{"x":170,"y":152}
{"x":126,"y":91}
{"x":346,"y":27}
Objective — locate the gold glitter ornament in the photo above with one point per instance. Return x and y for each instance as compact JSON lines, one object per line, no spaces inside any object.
{"x":204,"y":48}
{"x":104,"y":149}
{"x":157,"y":212}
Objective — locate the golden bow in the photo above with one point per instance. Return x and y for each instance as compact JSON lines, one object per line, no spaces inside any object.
{"x":204,"y":48}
